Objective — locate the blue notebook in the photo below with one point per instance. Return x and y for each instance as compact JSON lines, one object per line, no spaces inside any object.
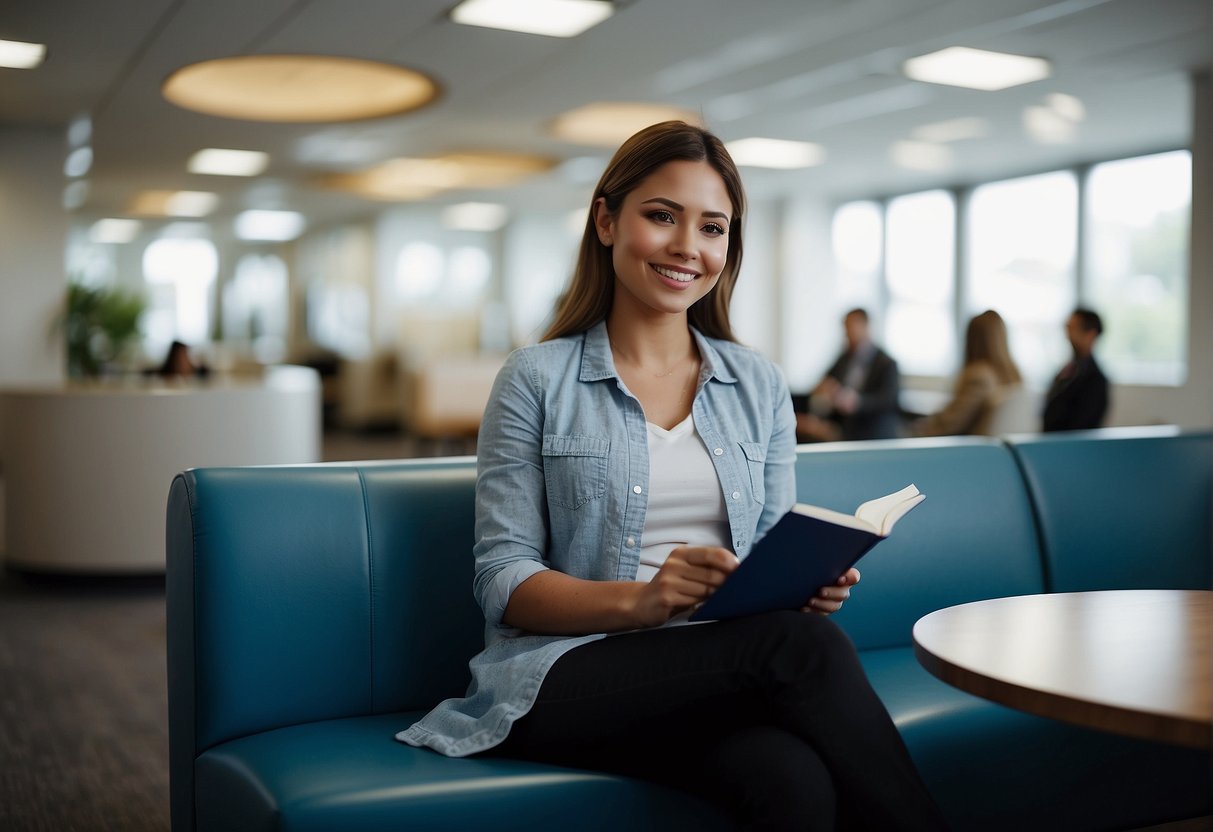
{"x":808,"y":548}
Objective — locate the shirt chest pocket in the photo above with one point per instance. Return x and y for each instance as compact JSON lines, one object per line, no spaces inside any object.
{"x":756,"y":461}
{"x":574,"y":469}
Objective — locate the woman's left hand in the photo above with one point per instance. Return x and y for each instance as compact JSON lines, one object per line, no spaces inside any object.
{"x":829,"y":599}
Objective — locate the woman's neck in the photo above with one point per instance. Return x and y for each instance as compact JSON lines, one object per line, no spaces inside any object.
{"x":653,"y":344}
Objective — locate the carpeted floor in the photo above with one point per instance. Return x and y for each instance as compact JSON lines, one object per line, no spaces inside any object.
{"x":83,"y":706}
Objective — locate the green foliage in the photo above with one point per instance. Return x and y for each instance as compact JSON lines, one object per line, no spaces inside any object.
{"x":100,"y":325}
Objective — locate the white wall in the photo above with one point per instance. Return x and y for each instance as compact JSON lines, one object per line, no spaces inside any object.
{"x":33,"y":231}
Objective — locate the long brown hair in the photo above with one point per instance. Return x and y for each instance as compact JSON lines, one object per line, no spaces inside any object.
{"x":590,"y":294}
{"x":986,"y":340}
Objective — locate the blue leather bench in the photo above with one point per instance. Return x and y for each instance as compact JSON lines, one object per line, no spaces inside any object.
{"x":313,"y":611}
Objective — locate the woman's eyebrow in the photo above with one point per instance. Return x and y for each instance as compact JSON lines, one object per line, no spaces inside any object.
{"x":669,"y":203}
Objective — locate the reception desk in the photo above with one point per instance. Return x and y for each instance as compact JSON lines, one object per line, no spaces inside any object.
{"x":87,"y":467}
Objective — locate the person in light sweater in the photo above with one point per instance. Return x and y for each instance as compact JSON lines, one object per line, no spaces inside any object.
{"x":625,"y":464}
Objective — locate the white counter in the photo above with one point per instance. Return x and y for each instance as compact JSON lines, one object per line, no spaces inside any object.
{"x":87,"y":467}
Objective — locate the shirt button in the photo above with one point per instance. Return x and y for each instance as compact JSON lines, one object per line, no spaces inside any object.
{"x":718,"y":451}
{"x":736,"y":495}
{"x":637,"y":488}
{"x":631,"y":541}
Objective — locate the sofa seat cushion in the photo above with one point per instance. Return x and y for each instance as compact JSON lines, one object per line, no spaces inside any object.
{"x":352,"y":774}
{"x":1041,"y":774}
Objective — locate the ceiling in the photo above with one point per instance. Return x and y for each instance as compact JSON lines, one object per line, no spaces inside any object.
{"x":826,"y":71}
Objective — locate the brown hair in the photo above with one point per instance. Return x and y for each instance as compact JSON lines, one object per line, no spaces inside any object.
{"x":592,"y":290}
{"x":986,"y":340}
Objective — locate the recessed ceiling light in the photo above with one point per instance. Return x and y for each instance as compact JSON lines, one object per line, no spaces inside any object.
{"x":952,"y":130}
{"x":174,"y":203}
{"x":555,"y":18}
{"x":475,"y":216}
{"x":775,"y":153}
{"x":1066,"y":106}
{"x":978,"y":69}
{"x":270,"y":226}
{"x":16,"y":54}
{"x":114,"y":230}
{"x":298,"y":88}
{"x":78,"y":162}
{"x":609,"y":123}
{"x":926,"y":156}
{"x":219,"y":162}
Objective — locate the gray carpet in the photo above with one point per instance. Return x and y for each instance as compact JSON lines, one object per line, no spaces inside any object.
{"x":83,"y":707}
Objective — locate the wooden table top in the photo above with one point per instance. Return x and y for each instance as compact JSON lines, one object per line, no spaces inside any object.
{"x":1135,"y":662}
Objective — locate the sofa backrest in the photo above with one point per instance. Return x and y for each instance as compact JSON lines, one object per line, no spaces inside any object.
{"x":1122,"y":508}
{"x":972,"y":538}
{"x":303,"y":593}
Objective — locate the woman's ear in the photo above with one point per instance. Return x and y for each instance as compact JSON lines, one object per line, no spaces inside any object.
{"x":604,"y":222}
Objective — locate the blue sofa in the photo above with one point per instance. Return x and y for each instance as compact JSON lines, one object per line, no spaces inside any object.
{"x":313,"y":611}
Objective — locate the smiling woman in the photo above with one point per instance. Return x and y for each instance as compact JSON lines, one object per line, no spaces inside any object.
{"x":625,"y":466}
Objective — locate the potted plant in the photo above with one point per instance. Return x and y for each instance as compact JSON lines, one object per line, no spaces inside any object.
{"x":101,"y":324}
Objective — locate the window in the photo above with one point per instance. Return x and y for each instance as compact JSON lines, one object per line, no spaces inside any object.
{"x":1021,"y":244}
{"x":857,"y":235}
{"x":920,"y":269}
{"x":255,"y":306}
{"x":179,"y":273}
{"x":1137,"y":265}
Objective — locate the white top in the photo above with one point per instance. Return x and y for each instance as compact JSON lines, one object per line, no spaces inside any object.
{"x":685,"y":501}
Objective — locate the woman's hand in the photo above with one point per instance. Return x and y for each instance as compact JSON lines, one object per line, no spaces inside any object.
{"x":829,"y":599}
{"x":689,"y":575}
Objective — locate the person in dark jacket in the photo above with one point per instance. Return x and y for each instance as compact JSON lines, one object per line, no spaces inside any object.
{"x":858,"y":398}
{"x":1078,"y":396}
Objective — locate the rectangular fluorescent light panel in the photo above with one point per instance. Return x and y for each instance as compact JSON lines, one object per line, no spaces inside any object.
{"x":978,"y":69}
{"x":114,"y":231}
{"x":174,"y":203}
{"x":272,"y":226}
{"x":16,"y":54}
{"x":475,"y":216}
{"x":775,"y":153}
{"x":219,"y":162}
{"x":953,"y":130}
{"x":554,"y":18}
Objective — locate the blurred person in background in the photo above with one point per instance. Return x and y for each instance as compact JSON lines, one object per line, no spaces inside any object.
{"x":1078,"y":397}
{"x":858,"y":398}
{"x":988,"y":378}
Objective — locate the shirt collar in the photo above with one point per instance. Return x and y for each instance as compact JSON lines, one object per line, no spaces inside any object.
{"x":598,"y":364}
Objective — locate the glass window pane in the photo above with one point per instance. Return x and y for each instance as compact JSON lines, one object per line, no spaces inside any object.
{"x":857,"y":238}
{"x":1022,"y":239}
{"x":1138,"y":215}
{"x":920,"y":268}
{"x":179,"y":273}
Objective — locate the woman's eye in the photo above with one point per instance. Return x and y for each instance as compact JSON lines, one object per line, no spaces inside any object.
{"x":661,"y":216}
{"x":714,"y":229}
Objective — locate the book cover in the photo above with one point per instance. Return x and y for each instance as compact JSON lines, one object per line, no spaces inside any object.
{"x":808,"y":548}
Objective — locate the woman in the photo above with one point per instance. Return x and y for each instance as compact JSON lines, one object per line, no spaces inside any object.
{"x":988,"y":379}
{"x":625,"y":463}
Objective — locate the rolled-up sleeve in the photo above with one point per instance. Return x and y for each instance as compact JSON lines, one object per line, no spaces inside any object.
{"x":511,"y":500}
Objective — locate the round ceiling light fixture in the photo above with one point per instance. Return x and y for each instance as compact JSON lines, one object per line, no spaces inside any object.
{"x":298,"y":88}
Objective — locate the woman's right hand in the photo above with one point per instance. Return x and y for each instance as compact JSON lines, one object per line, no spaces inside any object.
{"x":689,"y":575}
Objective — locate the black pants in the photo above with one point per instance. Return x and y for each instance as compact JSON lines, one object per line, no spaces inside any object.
{"x":770,"y":716}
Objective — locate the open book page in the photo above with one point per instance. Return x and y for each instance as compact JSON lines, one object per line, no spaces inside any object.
{"x":835,"y":517}
{"x":883,"y":512}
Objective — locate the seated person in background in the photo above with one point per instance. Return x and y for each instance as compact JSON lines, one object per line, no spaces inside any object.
{"x":177,"y":364}
{"x":1078,"y":397}
{"x":989,"y":377}
{"x":857,"y":399}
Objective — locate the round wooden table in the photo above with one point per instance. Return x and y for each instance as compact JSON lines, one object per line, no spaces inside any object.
{"x":1135,"y":662}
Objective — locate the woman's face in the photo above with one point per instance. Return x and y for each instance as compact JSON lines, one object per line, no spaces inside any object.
{"x":669,"y":241}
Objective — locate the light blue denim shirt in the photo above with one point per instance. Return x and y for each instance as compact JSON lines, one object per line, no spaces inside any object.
{"x":562,"y":483}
